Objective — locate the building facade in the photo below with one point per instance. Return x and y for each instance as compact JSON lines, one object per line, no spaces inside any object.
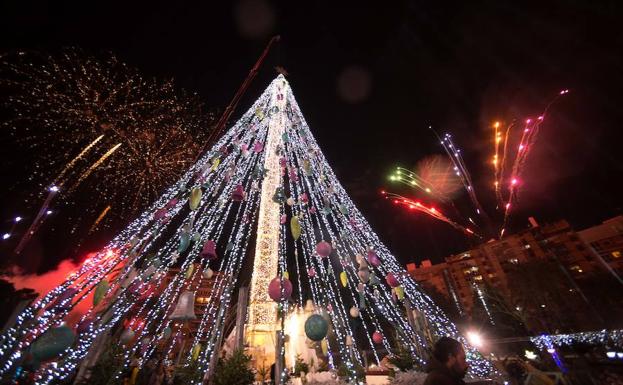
{"x":462,"y":277}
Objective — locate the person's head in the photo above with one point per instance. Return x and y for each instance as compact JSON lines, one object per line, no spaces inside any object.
{"x":450,"y":353}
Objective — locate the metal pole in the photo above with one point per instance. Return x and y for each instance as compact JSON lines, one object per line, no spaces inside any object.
{"x":241,"y":316}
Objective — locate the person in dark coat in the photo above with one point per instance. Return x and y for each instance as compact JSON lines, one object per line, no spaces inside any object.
{"x":448,"y":365}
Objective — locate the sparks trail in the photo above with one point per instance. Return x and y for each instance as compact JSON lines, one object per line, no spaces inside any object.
{"x":454,"y":153}
{"x":430,"y":211}
{"x":508,"y":165}
{"x":528,"y":139}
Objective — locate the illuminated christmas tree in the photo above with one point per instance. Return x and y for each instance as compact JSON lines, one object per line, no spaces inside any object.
{"x":165,"y":286}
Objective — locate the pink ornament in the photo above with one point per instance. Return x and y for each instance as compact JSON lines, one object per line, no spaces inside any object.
{"x":330,"y":307}
{"x":293,"y":175}
{"x":238,"y":194}
{"x":377,"y":337}
{"x":373,"y":259}
{"x":209,"y":250}
{"x":258,"y":147}
{"x":283,"y":162}
{"x":244,"y":147}
{"x":323,"y":249}
{"x":311,"y":272}
{"x":391,"y":280}
{"x":283,"y":219}
{"x":304,"y":198}
{"x":172,"y":203}
{"x":277,"y":286}
{"x":161,"y":213}
{"x":312,"y":210}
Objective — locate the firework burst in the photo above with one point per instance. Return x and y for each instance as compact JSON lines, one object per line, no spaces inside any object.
{"x":93,"y":125}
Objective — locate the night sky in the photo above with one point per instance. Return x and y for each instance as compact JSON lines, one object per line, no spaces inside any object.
{"x":456,"y":67}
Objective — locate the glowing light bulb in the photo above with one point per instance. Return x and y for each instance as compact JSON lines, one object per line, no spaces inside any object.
{"x":17,"y":219}
{"x":54,"y":188}
{"x":513,"y":182}
{"x":496,"y":124}
{"x":48,"y":212}
{"x":6,"y":236}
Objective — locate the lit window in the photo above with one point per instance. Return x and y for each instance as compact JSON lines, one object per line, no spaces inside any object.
{"x":478,"y":278}
{"x":514,"y":260}
{"x":616,"y":254}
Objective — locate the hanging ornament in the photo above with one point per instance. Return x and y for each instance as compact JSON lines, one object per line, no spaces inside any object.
{"x":166,"y":333}
{"x":311,"y":272}
{"x":360,"y":287}
{"x":304,"y":199}
{"x":280,"y":289}
{"x":307,"y":167}
{"x":377,"y":337}
{"x":312,"y":210}
{"x":208,"y":273}
{"x":279,"y":196}
{"x":354,"y":312}
{"x":259,"y":172}
{"x":295,"y":227}
{"x":374,"y":280}
{"x":172,"y":203}
{"x":100,"y":291}
{"x":160,"y":214}
{"x":215,"y":162}
{"x":238,"y":194}
{"x":184,"y":242}
{"x":364,"y":274}
{"x":293,"y":175}
{"x":316,"y":327}
{"x":400,"y":292}
{"x":283,"y":162}
{"x":283,"y":219}
{"x":323,"y":249}
{"x":209,"y":250}
{"x":195,"y":198}
{"x":196,"y":351}
{"x":185,"y":307}
{"x":52,"y":343}
{"x":391,"y":280}
{"x":349,"y":340}
{"x":126,"y":337}
{"x":189,"y":271}
{"x":373,"y":258}
{"x":376,"y":293}
{"x":344,"y":279}
{"x":343,"y":209}
{"x":258,"y":147}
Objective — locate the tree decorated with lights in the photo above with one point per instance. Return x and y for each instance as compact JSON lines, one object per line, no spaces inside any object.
{"x":263,"y":191}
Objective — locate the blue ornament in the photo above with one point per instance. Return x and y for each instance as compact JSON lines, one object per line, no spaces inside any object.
{"x":316,"y":327}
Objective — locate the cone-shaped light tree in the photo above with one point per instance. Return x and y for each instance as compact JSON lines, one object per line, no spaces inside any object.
{"x":263,"y":191}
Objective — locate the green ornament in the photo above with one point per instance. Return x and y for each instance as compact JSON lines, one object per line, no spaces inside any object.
{"x":316,"y":327}
{"x":184,"y":242}
{"x":52,"y":343}
{"x":100,"y":292}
